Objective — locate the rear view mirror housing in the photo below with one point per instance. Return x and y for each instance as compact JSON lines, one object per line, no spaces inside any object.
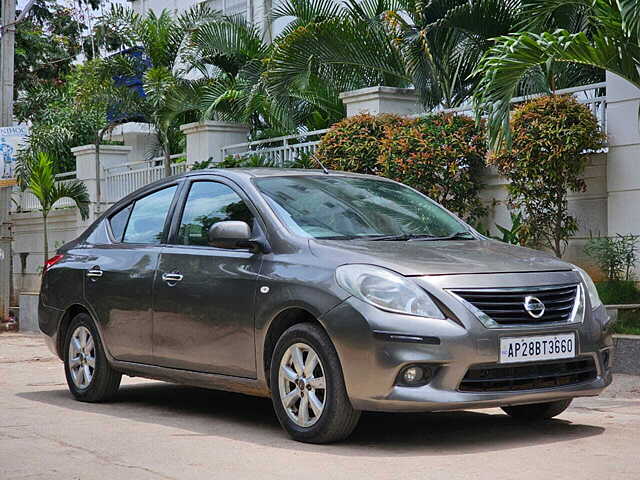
{"x":230,"y":234}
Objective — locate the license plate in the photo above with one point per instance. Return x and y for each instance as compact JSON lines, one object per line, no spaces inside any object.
{"x":540,"y":347}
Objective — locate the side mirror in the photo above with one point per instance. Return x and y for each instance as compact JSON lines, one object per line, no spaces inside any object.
{"x":230,"y":234}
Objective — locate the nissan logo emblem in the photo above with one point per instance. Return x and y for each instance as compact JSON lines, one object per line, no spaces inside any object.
{"x":533,"y":306}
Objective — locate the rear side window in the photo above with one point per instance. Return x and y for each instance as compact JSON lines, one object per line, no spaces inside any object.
{"x":209,"y":203}
{"x":119,"y":222}
{"x":147,"y":220}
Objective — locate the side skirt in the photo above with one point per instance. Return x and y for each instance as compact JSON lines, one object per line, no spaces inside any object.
{"x":247,"y":386}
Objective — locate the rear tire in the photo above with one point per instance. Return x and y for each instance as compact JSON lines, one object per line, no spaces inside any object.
{"x":89,"y":376}
{"x":307,"y":387}
{"x":537,"y":411}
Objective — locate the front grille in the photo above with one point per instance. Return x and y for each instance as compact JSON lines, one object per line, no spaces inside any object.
{"x":503,"y":378}
{"x":506,"y":306}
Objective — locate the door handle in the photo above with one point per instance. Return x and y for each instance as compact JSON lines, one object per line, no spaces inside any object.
{"x":172,"y":278}
{"x":94,"y":272}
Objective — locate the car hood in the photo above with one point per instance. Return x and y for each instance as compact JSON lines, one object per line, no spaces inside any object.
{"x":438,"y":257}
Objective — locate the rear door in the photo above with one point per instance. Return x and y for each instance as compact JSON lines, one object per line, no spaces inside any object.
{"x":204,"y":320}
{"x":119,"y":276}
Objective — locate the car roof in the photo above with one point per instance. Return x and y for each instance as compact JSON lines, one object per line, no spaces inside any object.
{"x":240,"y":175}
{"x":270,"y":172}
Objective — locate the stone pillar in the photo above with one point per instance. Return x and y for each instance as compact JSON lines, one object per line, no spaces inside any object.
{"x":141,"y":137}
{"x":87,"y":172}
{"x":206,"y":139}
{"x":375,"y":100}
{"x":623,"y":158}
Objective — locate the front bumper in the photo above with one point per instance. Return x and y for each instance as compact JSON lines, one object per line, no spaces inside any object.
{"x":371,"y":364}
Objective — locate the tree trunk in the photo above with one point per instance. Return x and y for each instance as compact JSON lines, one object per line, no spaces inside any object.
{"x":167,"y":161}
{"x":46,"y":241}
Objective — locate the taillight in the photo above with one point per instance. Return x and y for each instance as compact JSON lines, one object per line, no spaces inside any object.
{"x":51,"y":262}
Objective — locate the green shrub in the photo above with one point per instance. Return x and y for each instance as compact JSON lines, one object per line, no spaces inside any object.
{"x":616,"y":256}
{"x":628,"y":322}
{"x":617,"y":292}
{"x":441,"y":155}
{"x":552,"y":136}
{"x":353,"y":144}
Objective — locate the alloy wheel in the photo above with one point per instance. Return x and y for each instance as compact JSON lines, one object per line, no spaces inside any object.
{"x":82,"y":357}
{"x":303,"y":390}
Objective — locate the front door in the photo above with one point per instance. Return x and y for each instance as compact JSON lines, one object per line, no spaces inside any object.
{"x":204,"y":296}
{"x":119,"y":275}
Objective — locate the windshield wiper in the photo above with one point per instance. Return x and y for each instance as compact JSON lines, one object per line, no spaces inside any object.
{"x":405,"y":237}
{"x":465,"y":235}
{"x":412,"y":237}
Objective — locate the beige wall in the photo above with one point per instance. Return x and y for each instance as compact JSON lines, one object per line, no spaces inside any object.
{"x":28,"y":241}
{"x":590,"y":207}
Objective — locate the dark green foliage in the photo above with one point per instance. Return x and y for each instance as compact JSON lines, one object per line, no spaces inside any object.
{"x":616,"y":292}
{"x":514,"y":235}
{"x":628,"y":322}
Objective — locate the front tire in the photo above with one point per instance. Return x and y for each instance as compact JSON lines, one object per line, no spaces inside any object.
{"x":89,"y":376}
{"x":307,"y":387}
{"x":537,"y":411}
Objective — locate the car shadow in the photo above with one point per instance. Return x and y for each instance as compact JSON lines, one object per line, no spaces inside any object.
{"x":200,"y":412}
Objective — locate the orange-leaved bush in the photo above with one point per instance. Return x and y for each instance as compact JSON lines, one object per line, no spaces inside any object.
{"x":353,"y":144}
{"x":552,"y":139}
{"x":441,"y":155}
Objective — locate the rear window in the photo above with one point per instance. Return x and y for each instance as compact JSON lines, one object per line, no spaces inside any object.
{"x":147,"y":220}
{"x":118,"y":223}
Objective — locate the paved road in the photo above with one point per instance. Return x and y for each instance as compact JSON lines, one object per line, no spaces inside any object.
{"x":160,"y":431}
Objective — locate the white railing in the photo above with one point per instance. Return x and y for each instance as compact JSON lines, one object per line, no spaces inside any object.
{"x":278,"y":151}
{"x":284,"y":151}
{"x":124,"y":179}
{"x":586,"y":94}
{"x":27,"y":201}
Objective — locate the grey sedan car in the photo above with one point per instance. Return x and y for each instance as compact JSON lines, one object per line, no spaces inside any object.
{"x":331,"y":293}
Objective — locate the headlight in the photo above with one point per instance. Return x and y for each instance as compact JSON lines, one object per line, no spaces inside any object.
{"x":386,"y":290}
{"x":591,"y":288}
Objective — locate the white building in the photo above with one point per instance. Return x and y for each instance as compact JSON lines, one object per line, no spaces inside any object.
{"x":255,"y":11}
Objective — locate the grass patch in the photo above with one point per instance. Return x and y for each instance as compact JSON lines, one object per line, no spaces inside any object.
{"x":618,"y":292}
{"x":628,"y":322}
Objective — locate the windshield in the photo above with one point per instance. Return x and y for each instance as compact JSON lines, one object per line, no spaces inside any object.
{"x":340,"y":207}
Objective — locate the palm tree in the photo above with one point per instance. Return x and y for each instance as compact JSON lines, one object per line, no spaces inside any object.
{"x":234,"y":61}
{"x":433,"y":46}
{"x":610,"y":41}
{"x":37,"y":176}
{"x":163,"y":39}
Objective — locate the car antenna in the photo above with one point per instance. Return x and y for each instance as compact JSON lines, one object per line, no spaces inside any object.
{"x":324,"y":169}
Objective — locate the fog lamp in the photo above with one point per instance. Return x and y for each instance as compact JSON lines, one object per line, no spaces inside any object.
{"x":414,"y":376}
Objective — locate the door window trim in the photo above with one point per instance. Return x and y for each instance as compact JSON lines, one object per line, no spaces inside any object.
{"x":132,"y":202}
{"x":172,"y":237}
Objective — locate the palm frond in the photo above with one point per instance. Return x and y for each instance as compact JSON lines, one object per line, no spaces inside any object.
{"x":75,"y":191}
{"x":505,"y":65}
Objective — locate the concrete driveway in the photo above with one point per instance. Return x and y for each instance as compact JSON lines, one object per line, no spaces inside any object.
{"x":161,"y":431}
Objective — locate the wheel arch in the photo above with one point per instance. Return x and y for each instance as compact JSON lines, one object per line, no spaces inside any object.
{"x":284,"y":320}
{"x":69,"y":314}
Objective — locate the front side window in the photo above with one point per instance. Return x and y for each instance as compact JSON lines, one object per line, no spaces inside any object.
{"x":147,"y":220}
{"x":340,"y":207}
{"x":209,"y":203}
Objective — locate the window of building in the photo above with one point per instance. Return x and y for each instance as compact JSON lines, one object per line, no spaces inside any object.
{"x":230,"y":7}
